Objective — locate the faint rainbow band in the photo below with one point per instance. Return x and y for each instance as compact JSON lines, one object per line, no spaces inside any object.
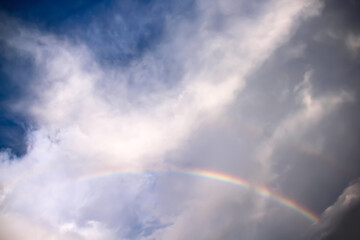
{"x":222,"y":177}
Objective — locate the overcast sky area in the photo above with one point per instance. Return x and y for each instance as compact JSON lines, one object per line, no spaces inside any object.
{"x":179,"y":119}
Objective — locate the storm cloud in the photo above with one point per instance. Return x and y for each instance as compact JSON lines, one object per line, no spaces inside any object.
{"x":339,"y":221}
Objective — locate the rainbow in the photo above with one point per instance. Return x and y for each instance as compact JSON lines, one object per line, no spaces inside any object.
{"x":225,"y":178}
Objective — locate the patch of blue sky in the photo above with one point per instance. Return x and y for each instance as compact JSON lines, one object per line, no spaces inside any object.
{"x":14,"y":85}
{"x":116,"y":31}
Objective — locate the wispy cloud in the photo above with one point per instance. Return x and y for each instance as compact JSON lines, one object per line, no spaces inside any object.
{"x":90,"y":117}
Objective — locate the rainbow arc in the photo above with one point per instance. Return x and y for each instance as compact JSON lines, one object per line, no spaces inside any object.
{"x":221,"y":177}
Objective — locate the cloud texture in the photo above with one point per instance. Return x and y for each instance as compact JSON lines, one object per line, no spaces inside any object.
{"x":203,"y":93}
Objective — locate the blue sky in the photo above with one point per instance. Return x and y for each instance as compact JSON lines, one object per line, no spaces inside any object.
{"x":95,"y":96}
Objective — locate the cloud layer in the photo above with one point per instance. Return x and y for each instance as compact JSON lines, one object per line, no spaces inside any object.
{"x":196,"y":95}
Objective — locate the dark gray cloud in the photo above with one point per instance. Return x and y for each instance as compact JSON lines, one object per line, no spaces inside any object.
{"x":340,"y":220}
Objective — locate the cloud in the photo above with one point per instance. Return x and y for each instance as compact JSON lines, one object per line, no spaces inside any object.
{"x":16,"y":227}
{"x":339,"y":221}
{"x":353,"y":43}
{"x":294,"y":127}
{"x":94,"y":118}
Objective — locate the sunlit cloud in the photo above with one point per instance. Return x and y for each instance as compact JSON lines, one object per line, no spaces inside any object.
{"x":101,"y":130}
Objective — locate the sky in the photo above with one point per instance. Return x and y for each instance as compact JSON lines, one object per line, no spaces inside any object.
{"x":169,"y":119}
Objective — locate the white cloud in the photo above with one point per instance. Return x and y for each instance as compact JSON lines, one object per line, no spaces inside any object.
{"x":16,"y":227}
{"x":89,"y":118}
